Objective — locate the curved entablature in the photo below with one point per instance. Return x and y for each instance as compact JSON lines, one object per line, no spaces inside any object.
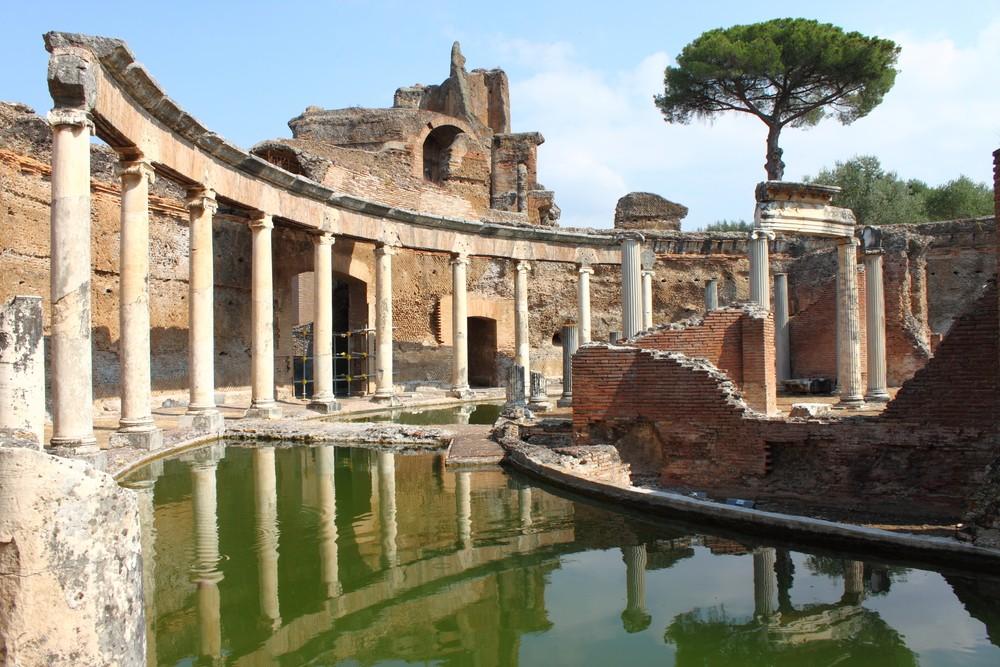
{"x":133,"y":115}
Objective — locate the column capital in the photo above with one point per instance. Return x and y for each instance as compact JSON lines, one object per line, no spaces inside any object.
{"x":756,"y":234}
{"x":261,"y":221}
{"x":72,"y":117}
{"x":647,"y":272}
{"x":849,"y":240}
{"x":325,"y":238}
{"x":629,"y":235}
{"x":585,"y":268}
{"x":132,"y":167}
{"x":383,"y":249}
{"x":202,"y":198}
{"x":460,"y":258}
{"x":522,"y":265}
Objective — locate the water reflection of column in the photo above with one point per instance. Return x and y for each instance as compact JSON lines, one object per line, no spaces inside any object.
{"x":147,"y":521}
{"x":854,"y":581}
{"x":266,"y":505}
{"x":206,"y":548}
{"x":635,"y":618}
{"x":524,"y":505}
{"x":387,"y":506}
{"x":765,"y":583}
{"x":330,"y":563}
{"x":463,"y":505}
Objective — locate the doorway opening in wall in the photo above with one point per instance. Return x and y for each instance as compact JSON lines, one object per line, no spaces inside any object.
{"x":437,"y":151}
{"x":482,"y":351}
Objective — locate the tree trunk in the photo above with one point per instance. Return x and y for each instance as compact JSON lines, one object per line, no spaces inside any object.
{"x":774,"y":166}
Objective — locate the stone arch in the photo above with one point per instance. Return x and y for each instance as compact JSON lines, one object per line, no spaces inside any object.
{"x":438,"y":149}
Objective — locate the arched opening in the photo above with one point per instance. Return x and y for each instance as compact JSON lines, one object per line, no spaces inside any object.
{"x":437,"y":152}
{"x":281,"y":156}
{"x":482,"y":351}
{"x":557,"y":339}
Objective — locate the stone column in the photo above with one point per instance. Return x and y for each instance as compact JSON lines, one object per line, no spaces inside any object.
{"x":524,"y":506}
{"x":760,"y":284}
{"x":614,"y":336}
{"x":631,"y":288}
{"x":205,"y":573}
{"x":848,"y":322}
{"x":144,"y":489}
{"x":323,"y":399}
{"x":69,"y":268}
{"x":22,"y":371}
{"x":522,"y":341}
{"x":875,"y":328}
{"x":463,"y":507}
{"x":854,"y":581}
{"x":384,"y":390}
{"x":569,"y":348}
{"x":266,"y":506}
{"x":583,"y":303}
{"x":326,"y":457}
{"x":263,"y":405}
{"x":765,"y":583}
{"x":136,"y":427}
{"x":711,"y":295}
{"x":387,"y":507}
{"x":460,"y":327}
{"x":647,"y":300}
{"x":201,"y":413}
{"x":782,"y":356}
{"x":635,"y":618}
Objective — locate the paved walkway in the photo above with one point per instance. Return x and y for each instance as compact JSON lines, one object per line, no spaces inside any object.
{"x":472,"y":446}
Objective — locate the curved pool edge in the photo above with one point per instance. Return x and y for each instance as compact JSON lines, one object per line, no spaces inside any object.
{"x":807,"y":530}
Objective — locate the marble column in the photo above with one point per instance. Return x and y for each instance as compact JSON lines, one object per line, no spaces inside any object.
{"x":849,"y":327}
{"x":144,"y":491}
{"x":136,"y":427}
{"x":765,"y":583}
{"x":387,"y":507}
{"x":326,"y":458}
{"x":569,"y":347}
{"x":583,"y":303}
{"x":647,"y":300}
{"x":323,"y":399}
{"x":384,"y":389}
{"x":262,"y":405}
{"x":266,"y":514}
{"x":635,"y":617}
{"x":854,"y":581}
{"x":522,"y":341}
{"x":711,"y":295}
{"x":69,"y":267}
{"x":205,"y":573}
{"x":202,"y":413}
{"x":460,"y":327}
{"x":760,"y":283}
{"x":463,"y":507}
{"x":631,"y":295}
{"x":524,"y":506}
{"x":782,"y":350}
{"x":875,"y":328}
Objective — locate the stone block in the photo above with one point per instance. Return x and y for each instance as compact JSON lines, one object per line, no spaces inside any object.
{"x":148,"y":440}
{"x":22,"y":371}
{"x":810,"y":410}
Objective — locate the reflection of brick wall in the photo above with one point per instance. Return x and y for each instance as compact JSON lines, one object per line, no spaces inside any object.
{"x":812,"y":334}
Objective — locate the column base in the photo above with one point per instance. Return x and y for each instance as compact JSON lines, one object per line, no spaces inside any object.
{"x":149,"y":439}
{"x":539,"y":405}
{"x":565,"y":402}
{"x":264,"y":411}
{"x":386,"y":399}
{"x":84,"y":449}
{"x":461,"y":392}
{"x":850,"y":403}
{"x":878,"y":397}
{"x":324,"y":406}
{"x":207,"y":421}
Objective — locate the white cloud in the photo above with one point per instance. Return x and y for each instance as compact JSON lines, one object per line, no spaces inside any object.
{"x":604,"y":136}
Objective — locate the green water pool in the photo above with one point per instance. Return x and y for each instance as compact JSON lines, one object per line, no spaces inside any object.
{"x":469,"y":413}
{"x":327,"y":556}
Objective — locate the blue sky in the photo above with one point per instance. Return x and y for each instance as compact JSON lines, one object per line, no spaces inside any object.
{"x":582,"y":73}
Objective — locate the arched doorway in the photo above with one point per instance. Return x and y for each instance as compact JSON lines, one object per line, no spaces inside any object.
{"x":437,"y":152}
{"x":482,"y":351}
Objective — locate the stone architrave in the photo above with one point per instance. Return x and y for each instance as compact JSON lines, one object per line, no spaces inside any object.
{"x":522,"y":341}
{"x":263,"y":405}
{"x":760,"y":284}
{"x":22,"y":371}
{"x":202,"y":413}
{"x":460,"y":327}
{"x":323,"y":399}
{"x":849,"y":327}
{"x":583,"y":303}
{"x":875,"y":327}
{"x":70,"y":263}
{"x":136,"y":427}
{"x":631,"y":289}
{"x":782,"y":348}
{"x":711,"y":295}
{"x":384,"y":387}
{"x":569,"y":346}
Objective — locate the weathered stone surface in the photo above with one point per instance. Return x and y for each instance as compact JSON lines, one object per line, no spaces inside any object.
{"x":22,"y":372}
{"x":809,"y":410}
{"x":645,"y":210}
{"x":70,"y":565}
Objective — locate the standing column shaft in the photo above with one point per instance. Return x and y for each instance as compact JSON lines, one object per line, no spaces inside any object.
{"x":263,"y":405}
{"x":647,"y":300}
{"x":711,"y":295}
{"x":875,"y":328}
{"x":524,"y":506}
{"x":136,"y":426}
{"x":848,"y":322}
{"x":460,"y":326}
{"x":326,"y":457}
{"x":765,"y":583}
{"x":266,"y":506}
{"x":522,"y":342}
{"x":72,"y":384}
{"x":463,"y":507}
{"x":201,"y":317}
{"x":387,"y":507}
{"x":782,"y":355}
{"x":583,"y":303}
{"x":635,"y":617}
{"x":206,"y":574}
{"x":631,"y":285}
{"x":569,"y":348}
{"x":383,"y":323}
{"x":760,"y":284}
{"x":323,"y":399}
